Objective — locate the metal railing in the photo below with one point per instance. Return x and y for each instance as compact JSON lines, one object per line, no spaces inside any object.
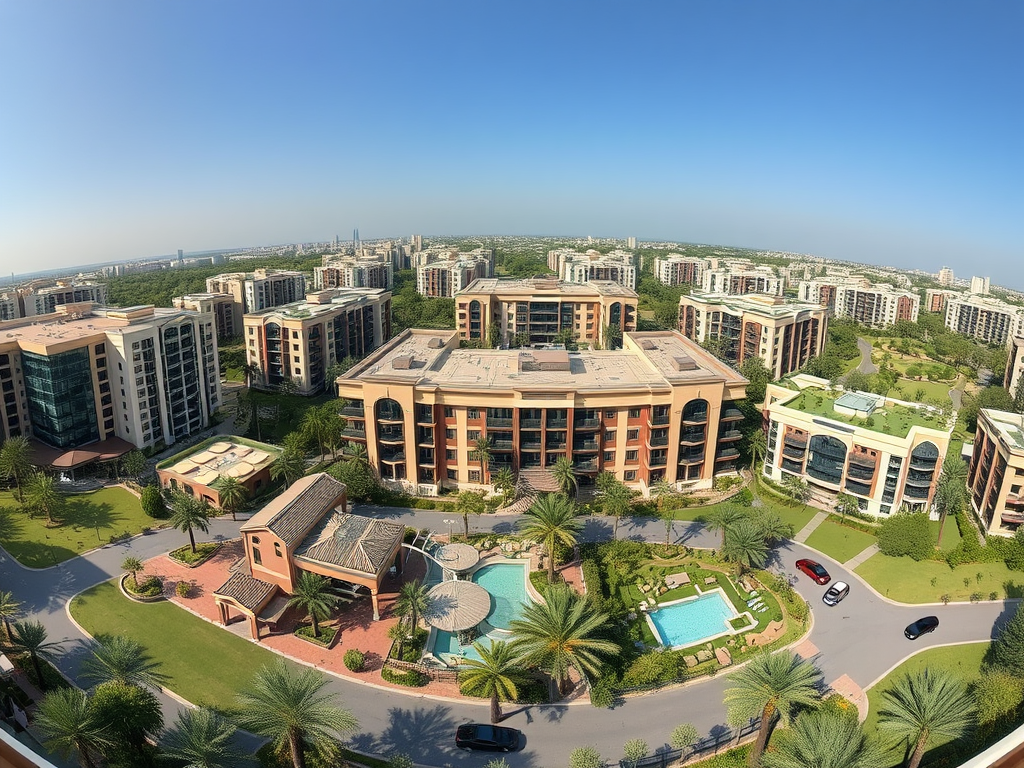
{"x":722,"y":737}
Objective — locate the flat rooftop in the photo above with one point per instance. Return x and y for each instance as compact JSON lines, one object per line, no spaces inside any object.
{"x":546,"y":286}
{"x":320,"y":302}
{"x":758,"y":303}
{"x":889,"y":417}
{"x":41,"y":331}
{"x":207,"y":462}
{"x":1010,"y":426}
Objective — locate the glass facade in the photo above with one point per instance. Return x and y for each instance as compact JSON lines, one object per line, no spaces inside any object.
{"x":61,"y":405}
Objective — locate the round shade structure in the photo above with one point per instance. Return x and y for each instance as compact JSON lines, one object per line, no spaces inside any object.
{"x":455,"y":606}
{"x":456,"y":557}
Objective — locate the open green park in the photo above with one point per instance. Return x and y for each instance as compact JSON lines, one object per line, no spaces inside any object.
{"x":838,"y":541}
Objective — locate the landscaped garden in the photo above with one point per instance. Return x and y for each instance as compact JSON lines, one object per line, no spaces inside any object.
{"x":926,"y":581}
{"x":891,"y":419}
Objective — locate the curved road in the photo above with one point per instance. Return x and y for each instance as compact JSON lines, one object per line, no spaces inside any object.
{"x":861,"y":637}
{"x":865,"y":366}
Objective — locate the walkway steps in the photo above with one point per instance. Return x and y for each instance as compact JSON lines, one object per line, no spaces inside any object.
{"x":808,"y":529}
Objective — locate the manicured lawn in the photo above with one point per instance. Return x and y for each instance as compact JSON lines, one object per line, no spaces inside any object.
{"x":89,"y":521}
{"x":950,"y":533}
{"x":203,"y":663}
{"x":797,"y":516}
{"x":908,"y":581}
{"x":906,"y":389}
{"x":839,"y":542}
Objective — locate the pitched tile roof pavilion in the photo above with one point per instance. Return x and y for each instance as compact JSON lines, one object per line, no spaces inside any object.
{"x":294,"y":512}
{"x":351,"y":544}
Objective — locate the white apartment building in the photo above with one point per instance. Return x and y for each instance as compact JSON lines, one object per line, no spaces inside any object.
{"x":444,"y":278}
{"x":227,"y":314}
{"x":736,"y":279}
{"x":1014,"y":365}
{"x":261,"y":289}
{"x":945,"y":277}
{"x":980,"y":285}
{"x":617,"y":266}
{"x":9,"y":307}
{"x":679,"y":269}
{"x":44,"y":301}
{"x":354,"y":273}
{"x":935,"y":299}
{"x":877,"y":306}
{"x":984,"y":318}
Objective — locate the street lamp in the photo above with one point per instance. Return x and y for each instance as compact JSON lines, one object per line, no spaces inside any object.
{"x":450,"y":524}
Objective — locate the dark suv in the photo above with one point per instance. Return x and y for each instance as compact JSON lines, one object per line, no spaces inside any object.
{"x":490,"y":737}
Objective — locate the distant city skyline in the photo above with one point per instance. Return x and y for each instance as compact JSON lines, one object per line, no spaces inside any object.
{"x":877,"y":133}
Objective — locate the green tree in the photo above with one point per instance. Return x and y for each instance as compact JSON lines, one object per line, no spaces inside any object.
{"x":358,"y":478}
{"x":482,"y":450}
{"x":757,"y":373}
{"x":683,"y":736}
{"x":552,"y":521}
{"x":565,"y":475}
{"x":316,"y":425}
{"x":634,"y":751}
{"x":770,"y":685}
{"x":291,"y":465}
{"x":41,"y":494}
{"x":744,"y":545}
{"x":906,"y":533}
{"x":824,"y":739}
{"x":190,"y":513}
{"x":923,"y":708}
{"x":796,"y":488}
{"x":70,"y":726}
{"x":772,"y":527}
{"x":612,"y":336}
{"x":233,"y":494}
{"x":314,"y":595}
{"x":951,"y":490}
{"x":560,"y":634}
{"x":153,"y":502}
{"x":757,"y":444}
{"x":617,"y":498}
{"x":1007,"y":650}
{"x":10,"y":609}
{"x":998,"y":694}
{"x":292,"y":709}
{"x":412,"y":602}
{"x":131,"y":716}
{"x":29,"y":638}
{"x":133,"y":567}
{"x":495,"y":675}
{"x":16,"y":462}
{"x":586,"y":757}
{"x":133,"y":464}
{"x":846,"y":504}
{"x":504,"y":482}
{"x":398,"y":633}
{"x":122,"y":660}
{"x":469,"y":503}
{"x":200,"y":738}
{"x":724,"y":518}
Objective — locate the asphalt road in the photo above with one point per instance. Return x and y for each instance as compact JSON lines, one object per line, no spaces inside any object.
{"x":866,"y":366}
{"x":861,"y":637}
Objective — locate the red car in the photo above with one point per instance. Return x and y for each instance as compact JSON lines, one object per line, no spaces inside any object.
{"x":814,"y":570}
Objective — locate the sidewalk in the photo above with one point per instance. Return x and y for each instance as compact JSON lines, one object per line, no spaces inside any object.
{"x":856,"y":560}
{"x":808,"y":529}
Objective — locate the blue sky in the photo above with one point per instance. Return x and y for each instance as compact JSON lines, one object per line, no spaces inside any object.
{"x":873,"y":131}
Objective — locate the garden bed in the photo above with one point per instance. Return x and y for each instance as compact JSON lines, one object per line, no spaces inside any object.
{"x":151,"y":590}
{"x":204,"y":551}
{"x":327,"y":637}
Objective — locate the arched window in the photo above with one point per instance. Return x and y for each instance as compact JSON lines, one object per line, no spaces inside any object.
{"x":826,"y":459}
{"x":277,"y":549}
{"x":615,"y":315}
{"x":273,"y":331}
{"x":696,"y":411}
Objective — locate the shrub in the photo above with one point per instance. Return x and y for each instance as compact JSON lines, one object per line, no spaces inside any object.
{"x":151,"y":587}
{"x":354,"y":660}
{"x":635,"y":750}
{"x":744,"y":498}
{"x":412,"y":678}
{"x":998,"y":694}
{"x":906,"y":534}
{"x":585,"y":757}
{"x":683,"y":736}
{"x":183,"y":588}
{"x":601,"y":694}
{"x":1007,"y":650}
{"x":152,"y":502}
{"x":592,"y":578}
{"x":651,"y":668}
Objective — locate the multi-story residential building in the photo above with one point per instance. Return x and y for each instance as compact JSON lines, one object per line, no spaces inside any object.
{"x":995,"y":476}
{"x":876,"y":306}
{"x":574,"y":267}
{"x":980,"y":285}
{"x":261,"y":289}
{"x":9,"y":306}
{"x":678,"y":269}
{"x":86,"y":374}
{"x":660,"y":408}
{"x":354,"y":273}
{"x":886,"y":453}
{"x":945,"y":277}
{"x":935,"y":299}
{"x":1014,"y":365}
{"x":227,"y":313}
{"x":985,"y":318}
{"x":299,"y":342}
{"x":443,"y":279}
{"x":44,"y":301}
{"x":543,"y":310}
{"x":737,"y":279}
{"x":784,"y":333}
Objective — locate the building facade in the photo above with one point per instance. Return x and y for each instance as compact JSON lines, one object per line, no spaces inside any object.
{"x":885,"y":453}
{"x":783,"y":333}
{"x":677,"y":269}
{"x":44,"y":301}
{"x":227,"y":314}
{"x":572,"y":266}
{"x":877,"y":306}
{"x":542,"y":311}
{"x":945,"y":277}
{"x":980,"y":285}
{"x":299,"y":342}
{"x":995,"y":476}
{"x":659,"y":409}
{"x":353,"y":273}
{"x":935,"y":299}
{"x":1014,"y":365}
{"x":443,"y":279}
{"x":261,"y":289}
{"x":984,"y":318}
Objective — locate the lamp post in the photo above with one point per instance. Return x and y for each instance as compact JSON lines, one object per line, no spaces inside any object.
{"x":450,"y":524}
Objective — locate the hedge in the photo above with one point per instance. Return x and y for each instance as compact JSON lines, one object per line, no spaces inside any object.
{"x":412,"y":678}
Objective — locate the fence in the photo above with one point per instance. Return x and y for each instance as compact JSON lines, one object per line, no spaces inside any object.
{"x":443,"y":675}
{"x":720,"y":737}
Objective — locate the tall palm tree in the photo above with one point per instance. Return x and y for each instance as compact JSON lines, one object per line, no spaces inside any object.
{"x":356,"y":452}
{"x":482,"y":448}
{"x":69,"y":724}
{"x":120,"y":659}
{"x":757,"y":444}
{"x":132,"y":566}
{"x":797,"y":488}
{"x":314,"y":595}
{"x":316,"y":425}
{"x":618,"y":498}
{"x":398,"y":633}
{"x":771,"y":684}
{"x":190,"y":513}
{"x":30,"y":638}
{"x":504,"y":481}
{"x":552,"y":520}
{"x":824,"y":739}
{"x":15,"y":462}
{"x":920,"y":708}
{"x":744,"y":545}
{"x":292,"y":709}
{"x":41,"y":493}
{"x":773,"y":528}
{"x":494,"y":675}
{"x":200,"y":738}
{"x":951,"y":490}
{"x":565,"y":475}
{"x":291,"y":465}
{"x":560,"y":634}
{"x":469,"y":503}
{"x":233,"y":494}
{"x":411,"y":602}
{"x":724,"y":518}
{"x":10,"y":609}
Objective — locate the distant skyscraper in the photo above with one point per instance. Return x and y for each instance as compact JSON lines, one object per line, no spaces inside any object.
{"x":631,"y":242}
{"x":979,"y":284}
{"x":417,"y":243}
{"x":945,"y":276}
{"x":355,"y":239}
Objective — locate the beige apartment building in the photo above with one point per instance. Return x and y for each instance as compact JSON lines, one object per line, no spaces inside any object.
{"x":299,"y":342}
{"x":261,"y":289}
{"x":935,"y":299}
{"x":227,"y":313}
{"x":661,"y":408}
{"x":737,"y":279}
{"x":876,"y":306}
{"x":784,"y":333}
{"x":536,"y":311}
{"x":444,"y":279}
{"x":984,"y":318}
{"x":679,"y":269}
{"x":354,"y":273}
{"x":1014,"y":365}
{"x":45,"y":300}
{"x":995,"y":477}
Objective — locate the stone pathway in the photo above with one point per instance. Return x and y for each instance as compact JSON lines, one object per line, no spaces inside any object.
{"x":808,"y":529}
{"x":856,"y":560}
{"x":806,"y":649}
{"x":850,"y":691}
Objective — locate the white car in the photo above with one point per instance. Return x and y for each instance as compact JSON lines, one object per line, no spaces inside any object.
{"x":835,"y":593}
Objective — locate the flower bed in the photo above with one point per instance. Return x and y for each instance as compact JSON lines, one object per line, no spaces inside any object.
{"x":150,"y":591}
{"x":327,"y":635}
{"x":185,"y":555}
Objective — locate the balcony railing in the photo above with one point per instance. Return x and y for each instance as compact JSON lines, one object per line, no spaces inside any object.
{"x":558,"y":423}
{"x":728,"y":453}
{"x":501,"y":443}
{"x":584,"y":445}
{"x":530,"y":445}
{"x":392,"y":458}
{"x":529,"y":423}
{"x":663,"y":440}
{"x":731,"y":434}
{"x":587,"y":423}
{"x":793,"y":452}
{"x":555,"y":445}
{"x":659,"y":420}
{"x":353,"y":410}
{"x":659,"y":461}
{"x":493,"y":421}
{"x":354,"y":432}
{"x":732,"y":414}
{"x":586,"y":466}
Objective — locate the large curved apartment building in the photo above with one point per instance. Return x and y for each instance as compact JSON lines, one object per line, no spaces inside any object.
{"x":659,"y":408}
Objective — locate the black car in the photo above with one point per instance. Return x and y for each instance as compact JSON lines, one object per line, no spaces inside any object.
{"x":921,"y":627}
{"x":490,"y":737}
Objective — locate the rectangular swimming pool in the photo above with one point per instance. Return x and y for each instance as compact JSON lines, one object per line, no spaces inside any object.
{"x":692,"y":620}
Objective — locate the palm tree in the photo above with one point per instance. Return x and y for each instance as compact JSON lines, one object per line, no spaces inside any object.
{"x":469,"y":503}
{"x":552,"y":520}
{"x":41,"y":493}
{"x":69,"y":724}
{"x":773,"y":528}
{"x":560,"y":634}
{"x":292,"y":709}
{"x":200,"y":738}
{"x":123,"y":660}
{"x":494,"y":675}
{"x":30,"y":637}
{"x":771,"y":684}
{"x":846,"y":504}
{"x":188,"y":514}
{"x":929,"y":705}
{"x":797,"y":488}
{"x":504,"y":481}
{"x":618,"y":498}
{"x":411,"y":602}
{"x":757,"y":444}
{"x":314,"y":595}
{"x":724,"y":518}
{"x":824,"y":739}
{"x":744,"y":545}
{"x":316,"y":425}
{"x":291,"y":465}
{"x":15,"y":461}
{"x":10,"y":609}
{"x":565,"y":475}
{"x":233,"y":494}
{"x":662,"y":489}
{"x":482,"y":448}
{"x":951,"y":490}
{"x":132,"y":566}
{"x":356,"y":452}
{"x":398,"y":633}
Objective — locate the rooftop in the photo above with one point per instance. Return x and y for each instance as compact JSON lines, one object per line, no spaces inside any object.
{"x":320,"y":302}
{"x":758,"y":303}
{"x":219,"y":457}
{"x":890,"y":417}
{"x":356,"y":543}
{"x":1010,"y":426}
{"x":80,"y":321}
{"x":540,"y":286}
{"x":292,"y":514}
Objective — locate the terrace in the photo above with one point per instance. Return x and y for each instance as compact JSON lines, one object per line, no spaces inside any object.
{"x":890,"y":418}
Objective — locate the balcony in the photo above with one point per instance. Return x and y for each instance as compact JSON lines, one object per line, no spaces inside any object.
{"x":796,"y":467}
{"x":692,"y":437}
{"x":862,"y":461}
{"x":730,"y":435}
{"x":500,"y":460}
{"x":659,"y":419}
{"x":728,"y":453}
{"x":354,"y":432}
{"x":530,"y":445}
{"x":861,"y":489}
{"x":732,"y":414}
{"x":558,"y":423}
{"x":391,"y":437}
{"x":425,"y":440}
{"x":493,"y":421}
{"x":691,"y":458}
{"x":915,"y":493}
{"x":529,"y":423}
{"x":925,"y":465}
{"x":793,"y":453}
{"x":392,"y":457}
{"x":353,"y":410}
{"x":699,"y":417}
{"x":501,"y":442}
{"x":586,"y":423}
{"x":860,"y":472}
{"x":586,"y":466}
{"x":584,"y":445}
{"x":658,"y":461}
{"x":658,"y":441}
{"x":555,"y":445}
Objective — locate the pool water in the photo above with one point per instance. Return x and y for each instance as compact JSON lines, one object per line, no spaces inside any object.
{"x":692,"y":620}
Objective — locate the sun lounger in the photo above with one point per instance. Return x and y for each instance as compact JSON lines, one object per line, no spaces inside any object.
{"x":755,"y":602}
{"x":753,"y":594}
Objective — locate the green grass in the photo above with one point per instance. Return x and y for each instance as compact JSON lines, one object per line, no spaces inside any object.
{"x":234,"y":374}
{"x":203,"y":663}
{"x":734,"y":758}
{"x":909,"y":581}
{"x":839,"y":542}
{"x":290,"y":409}
{"x":950,"y":533}
{"x":906,"y":389}
{"x":89,"y":520}
{"x":891,"y":419}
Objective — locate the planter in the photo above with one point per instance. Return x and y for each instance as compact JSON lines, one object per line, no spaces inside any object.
{"x":187,"y":549}
{"x":138,"y":598}
{"x":324,"y":641}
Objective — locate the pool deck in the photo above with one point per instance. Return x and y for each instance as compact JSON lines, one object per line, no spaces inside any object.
{"x":729,"y":630}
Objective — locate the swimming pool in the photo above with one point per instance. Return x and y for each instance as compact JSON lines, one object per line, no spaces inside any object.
{"x":691,"y":620}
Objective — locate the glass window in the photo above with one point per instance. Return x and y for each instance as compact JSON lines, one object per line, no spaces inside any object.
{"x":609,"y":457}
{"x":634,"y":413}
{"x":449,"y":412}
{"x":474,"y":475}
{"x":449,"y":434}
{"x":632,"y":435}
{"x":632,"y":455}
{"x":453,"y":474}
{"x":629,"y":475}
{"x":451,"y":455}
{"x":277,"y":549}
{"x":256,"y":556}
{"x":609,"y":414}
{"x":474,"y":413}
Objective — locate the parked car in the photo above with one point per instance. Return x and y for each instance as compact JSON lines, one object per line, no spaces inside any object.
{"x":494,"y":738}
{"x":815,"y":570}
{"x":921,"y":627}
{"x":835,"y":593}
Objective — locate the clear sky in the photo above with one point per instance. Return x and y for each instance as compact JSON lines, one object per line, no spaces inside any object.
{"x":871,"y":130}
